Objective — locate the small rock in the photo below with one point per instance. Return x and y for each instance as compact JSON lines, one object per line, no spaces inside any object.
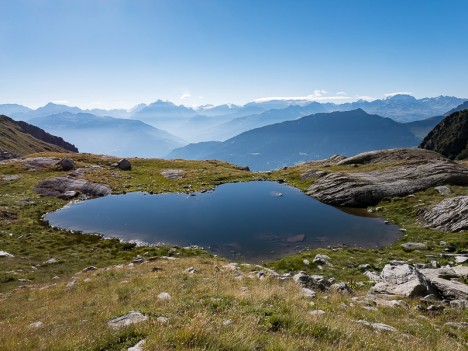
{"x":51,"y":261}
{"x":137,"y":347}
{"x":342,"y":288}
{"x":89,"y":269}
{"x":69,"y":194}
{"x":435,"y":308}
{"x":5,"y":254}
{"x":130,"y":318}
{"x":443,"y":190}
{"x":190,"y":270}
{"x":306,"y":262}
{"x":378,"y":326}
{"x":461,"y":259}
{"x":429,"y":298}
{"x":461,"y":325}
{"x":173,"y":174}
{"x":413,"y":246}
{"x":371,"y":308}
{"x":322,"y":259}
{"x":72,"y":283}
{"x":372,"y":276}
{"x":227,"y":322}
{"x":162,"y":320}
{"x":138,"y":260}
{"x":67,"y":164}
{"x":308,"y":292}
{"x":36,"y":325}
{"x":317,"y":312}
{"x":164,"y":296}
{"x":364,"y":266}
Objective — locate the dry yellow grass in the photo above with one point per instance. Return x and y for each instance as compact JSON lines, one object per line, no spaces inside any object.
{"x":267,"y":314}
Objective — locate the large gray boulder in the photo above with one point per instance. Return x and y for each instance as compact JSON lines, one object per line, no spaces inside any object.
{"x":449,"y":215}
{"x":124,"y":165}
{"x":368,"y":188}
{"x":402,"y":280}
{"x":448,"y":288}
{"x":68,"y":187}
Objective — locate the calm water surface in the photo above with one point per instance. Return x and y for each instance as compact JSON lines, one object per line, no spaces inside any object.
{"x":252,"y":221}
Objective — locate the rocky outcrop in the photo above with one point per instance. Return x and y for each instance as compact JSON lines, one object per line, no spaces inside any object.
{"x":450,"y":136}
{"x":402,"y":280}
{"x":368,"y":188}
{"x":392,"y":155}
{"x":442,"y":279}
{"x":312,"y":281}
{"x":124,"y":165}
{"x":67,"y":187}
{"x":449,"y":215}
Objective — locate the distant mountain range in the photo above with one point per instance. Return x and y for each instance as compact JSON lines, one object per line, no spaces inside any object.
{"x":225,"y":121}
{"x":21,"y":138}
{"x":110,"y":136}
{"x":312,"y":137}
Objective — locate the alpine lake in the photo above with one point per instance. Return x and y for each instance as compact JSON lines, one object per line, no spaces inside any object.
{"x":252,"y":221}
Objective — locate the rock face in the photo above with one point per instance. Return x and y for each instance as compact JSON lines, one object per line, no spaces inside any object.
{"x":65,"y":187}
{"x":67,"y":164}
{"x":402,"y":280}
{"x":368,"y":188}
{"x":450,"y":136}
{"x":449,"y":215}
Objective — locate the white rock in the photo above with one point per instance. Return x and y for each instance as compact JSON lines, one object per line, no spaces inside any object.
{"x":5,"y":254}
{"x":51,"y":261}
{"x":461,"y":259}
{"x":164,"y":296}
{"x":317,"y":312}
{"x":227,"y":322}
{"x":308,"y":292}
{"x":130,"y":318}
{"x":162,"y":320}
{"x":36,"y":325}
{"x":378,"y":326}
{"x":306,"y":262}
{"x":137,"y":347}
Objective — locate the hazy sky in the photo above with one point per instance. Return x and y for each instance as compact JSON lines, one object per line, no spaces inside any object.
{"x":117,"y":53}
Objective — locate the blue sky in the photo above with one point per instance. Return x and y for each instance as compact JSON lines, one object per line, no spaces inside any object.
{"x":116,"y":53}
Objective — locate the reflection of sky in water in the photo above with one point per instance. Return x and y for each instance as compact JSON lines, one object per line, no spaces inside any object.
{"x":246,"y":221}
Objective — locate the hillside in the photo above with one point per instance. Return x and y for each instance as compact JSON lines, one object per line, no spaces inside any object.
{"x":20,"y":138}
{"x":308,"y":138}
{"x":62,"y":290}
{"x":450,"y":136}
{"x":110,"y":136}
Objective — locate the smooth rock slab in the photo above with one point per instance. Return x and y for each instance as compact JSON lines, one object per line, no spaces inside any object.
{"x":449,"y":289}
{"x":61,"y":186}
{"x":369,"y":188}
{"x":414,"y":246}
{"x":128,"y":319}
{"x":449,"y":215}
{"x":317,"y":312}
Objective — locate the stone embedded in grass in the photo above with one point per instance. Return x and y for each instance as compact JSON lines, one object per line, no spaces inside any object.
{"x":317,"y":312}
{"x":162,"y":320}
{"x":306,"y":262}
{"x":413,"y":246}
{"x":5,"y":254}
{"x":342,"y":288}
{"x":137,"y":347}
{"x":89,"y":269}
{"x":164,"y":296}
{"x":443,"y":190}
{"x":377,"y":326}
{"x":322,"y":259}
{"x":128,"y":319}
{"x":173,"y":174}
{"x":308,"y":292}
{"x":36,"y":325}
{"x":227,"y":322}
{"x":460,"y":325}
{"x":459,"y":304}
{"x":190,"y":270}
{"x":52,"y":260}
{"x":372,"y":276}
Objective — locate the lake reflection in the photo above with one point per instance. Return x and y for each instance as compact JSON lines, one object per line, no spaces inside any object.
{"x":253,"y":222}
